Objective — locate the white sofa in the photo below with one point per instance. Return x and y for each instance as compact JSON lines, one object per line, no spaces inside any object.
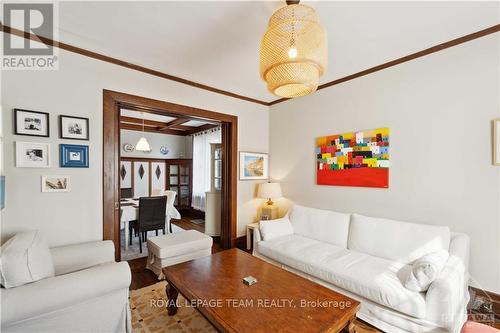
{"x":368,"y":260}
{"x":89,"y":293}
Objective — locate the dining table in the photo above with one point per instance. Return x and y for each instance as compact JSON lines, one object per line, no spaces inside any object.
{"x":129,"y":209}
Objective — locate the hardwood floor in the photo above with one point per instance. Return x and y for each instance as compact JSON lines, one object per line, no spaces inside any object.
{"x":186,"y":224}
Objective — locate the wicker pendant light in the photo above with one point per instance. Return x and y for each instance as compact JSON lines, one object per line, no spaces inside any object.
{"x":293,"y":52}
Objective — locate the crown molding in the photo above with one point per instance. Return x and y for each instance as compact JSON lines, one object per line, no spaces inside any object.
{"x":105,"y":58}
{"x":98,"y":56}
{"x":419,"y":54}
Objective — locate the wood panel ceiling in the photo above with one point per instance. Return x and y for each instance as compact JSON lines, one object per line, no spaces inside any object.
{"x":172,"y":125}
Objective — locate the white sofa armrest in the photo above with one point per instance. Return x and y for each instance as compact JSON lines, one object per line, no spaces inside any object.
{"x":257,"y":237}
{"x":448,"y":295}
{"x":62,"y":291}
{"x":76,"y":257}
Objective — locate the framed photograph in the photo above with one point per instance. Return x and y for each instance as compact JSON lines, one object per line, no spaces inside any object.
{"x":32,"y":155}
{"x":496,"y":141}
{"x":75,"y":128}
{"x":73,"y":156}
{"x":254,"y":166}
{"x":55,"y":184}
{"x":31,"y":123}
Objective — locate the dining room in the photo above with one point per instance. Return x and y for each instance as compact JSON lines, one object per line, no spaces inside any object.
{"x":167,"y":164}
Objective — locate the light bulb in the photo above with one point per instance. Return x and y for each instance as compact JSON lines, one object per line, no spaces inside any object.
{"x":292,"y":52}
{"x":142,"y":145}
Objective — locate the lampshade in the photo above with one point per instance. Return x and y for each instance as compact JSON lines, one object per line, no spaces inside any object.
{"x":293,"y":52}
{"x":269,"y":190}
{"x":143,"y":145}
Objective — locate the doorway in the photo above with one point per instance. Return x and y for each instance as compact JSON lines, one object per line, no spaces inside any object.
{"x":226,"y":178}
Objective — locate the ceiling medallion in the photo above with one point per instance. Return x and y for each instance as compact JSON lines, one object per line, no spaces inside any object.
{"x":293,"y":51}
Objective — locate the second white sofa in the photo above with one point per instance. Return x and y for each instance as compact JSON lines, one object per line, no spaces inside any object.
{"x":368,"y":259}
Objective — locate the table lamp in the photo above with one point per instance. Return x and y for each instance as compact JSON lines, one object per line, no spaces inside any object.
{"x":269,"y":191}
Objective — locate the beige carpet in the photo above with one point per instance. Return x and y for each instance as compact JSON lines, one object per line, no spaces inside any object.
{"x":149,"y":313}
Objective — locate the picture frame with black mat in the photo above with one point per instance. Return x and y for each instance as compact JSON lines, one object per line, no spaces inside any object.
{"x":31,"y":123}
{"x":73,"y":156}
{"x":74,"y":128}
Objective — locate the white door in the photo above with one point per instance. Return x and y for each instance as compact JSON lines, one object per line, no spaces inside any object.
{"x":141,"y":179}
{"x":158,"y":177}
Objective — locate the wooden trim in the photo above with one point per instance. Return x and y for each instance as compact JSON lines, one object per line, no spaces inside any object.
{"x":112,"y":101}
{"x":138,"y":128}
{"x":111,"y":167}
{"x":98,"y":56}
{"x":201,"y":128}
{"x":419,"y":54}
{"x":175,"y":122}
{"x":138,"y":121}
{"x":101,"y":57}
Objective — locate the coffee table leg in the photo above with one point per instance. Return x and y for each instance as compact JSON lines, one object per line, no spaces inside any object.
{"x":172,"y":294}
{"x":349,"y":328}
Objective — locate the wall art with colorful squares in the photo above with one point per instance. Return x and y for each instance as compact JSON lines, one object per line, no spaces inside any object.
{"x":354,"y":159}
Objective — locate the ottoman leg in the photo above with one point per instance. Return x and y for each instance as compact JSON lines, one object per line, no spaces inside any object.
{"x":172,"y":294}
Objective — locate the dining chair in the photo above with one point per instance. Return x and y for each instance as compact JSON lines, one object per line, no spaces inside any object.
{"x":151,"y":217}
{"x":170,"y":206}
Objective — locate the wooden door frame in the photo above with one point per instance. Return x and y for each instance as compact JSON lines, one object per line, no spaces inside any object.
{"x":112,"y":102}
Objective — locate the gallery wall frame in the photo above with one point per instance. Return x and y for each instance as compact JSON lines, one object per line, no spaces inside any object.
{"x":31,"y":123}
{"x":496,"y":141}
{"x":55,"y":183}
{"x":74,"y":128}
{"x":73,"y":156}
{"x":32,"y":154}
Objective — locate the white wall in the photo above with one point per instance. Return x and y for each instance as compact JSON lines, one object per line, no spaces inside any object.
{"x":178,"y":146}
{"x":439,"y":109}
{"x":76,"y":89}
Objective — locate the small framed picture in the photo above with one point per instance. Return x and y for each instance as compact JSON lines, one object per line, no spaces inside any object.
{"x":496,"y":141}
{"x":32,"y":155}
{"x":55,"y":184}
{"x":31,"y":123}
{"x":75,"y":128}
{"x":73,"y":156}
{"x":265,"y":217}
{"x":254,"y":166}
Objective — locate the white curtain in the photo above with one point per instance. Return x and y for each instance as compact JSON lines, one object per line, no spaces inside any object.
{"x":201,"y":165}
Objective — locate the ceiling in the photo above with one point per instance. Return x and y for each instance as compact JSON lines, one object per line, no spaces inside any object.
{"x":217,"y":43}
{"x":133,"y":120}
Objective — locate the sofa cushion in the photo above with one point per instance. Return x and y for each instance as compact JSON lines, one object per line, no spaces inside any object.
{"x":319,"y":224}
{"x":171,"y":245}
{"x":376,"y":279}
{"x":394,"y":240}
{"x":25,"y":258}
{"x":275,"y":228}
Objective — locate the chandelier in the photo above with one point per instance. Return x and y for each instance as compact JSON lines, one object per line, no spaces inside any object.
{"x":293,"y":51}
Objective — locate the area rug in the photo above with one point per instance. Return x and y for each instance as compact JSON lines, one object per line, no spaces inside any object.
{"x":149,"y":313}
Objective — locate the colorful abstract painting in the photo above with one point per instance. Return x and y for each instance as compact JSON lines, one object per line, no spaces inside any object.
{"x":354,"y":159}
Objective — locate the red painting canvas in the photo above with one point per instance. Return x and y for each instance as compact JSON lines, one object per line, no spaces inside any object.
{"x":354,"y":159}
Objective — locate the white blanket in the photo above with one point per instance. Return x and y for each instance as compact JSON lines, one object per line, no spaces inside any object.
{"x":425,"y":270}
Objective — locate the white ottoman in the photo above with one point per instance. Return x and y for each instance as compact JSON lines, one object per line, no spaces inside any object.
{"x":171,"y":249}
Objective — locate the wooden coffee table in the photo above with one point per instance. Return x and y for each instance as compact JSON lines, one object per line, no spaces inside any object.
{"x":279,"y":302}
